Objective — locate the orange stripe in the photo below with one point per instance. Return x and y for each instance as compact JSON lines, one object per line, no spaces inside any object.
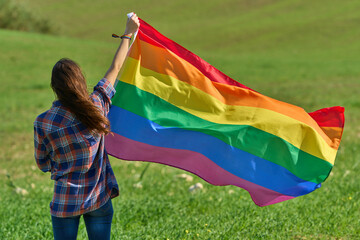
{"x":170,"y":64}
{"x":334,"y":133}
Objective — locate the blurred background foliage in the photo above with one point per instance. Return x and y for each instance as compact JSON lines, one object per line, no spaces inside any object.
{"x":16,"y":15}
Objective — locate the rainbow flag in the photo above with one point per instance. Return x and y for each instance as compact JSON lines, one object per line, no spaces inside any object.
{"x":173,"y":108}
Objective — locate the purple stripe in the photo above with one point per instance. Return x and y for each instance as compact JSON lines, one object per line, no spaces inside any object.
{"x":127,"y":149}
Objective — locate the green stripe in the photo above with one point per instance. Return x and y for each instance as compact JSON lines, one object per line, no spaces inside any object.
{"x":243,"y":137}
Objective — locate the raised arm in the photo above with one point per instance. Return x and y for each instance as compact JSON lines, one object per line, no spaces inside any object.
{"x":131,"y":26}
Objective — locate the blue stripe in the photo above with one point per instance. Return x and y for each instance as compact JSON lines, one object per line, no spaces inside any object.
{"x":233,"y":160}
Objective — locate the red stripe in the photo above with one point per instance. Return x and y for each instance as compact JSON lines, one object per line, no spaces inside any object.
{"x":128,"y":149}
{"x":329,"y":117}
{"x":151,"y":35}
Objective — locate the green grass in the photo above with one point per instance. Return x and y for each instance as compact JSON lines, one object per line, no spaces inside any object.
{"x":299,"y":52}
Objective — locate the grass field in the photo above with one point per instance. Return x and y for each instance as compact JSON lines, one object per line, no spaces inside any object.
{"x":304,"y":53}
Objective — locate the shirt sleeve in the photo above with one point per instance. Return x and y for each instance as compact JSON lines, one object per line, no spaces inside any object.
{"x":41,"y":155}
{"x":102,"y":94}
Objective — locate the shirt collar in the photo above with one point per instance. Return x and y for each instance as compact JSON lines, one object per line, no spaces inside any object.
{"x":56,"y":103}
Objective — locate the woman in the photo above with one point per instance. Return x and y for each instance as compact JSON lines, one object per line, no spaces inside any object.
{"x":69,"y":142}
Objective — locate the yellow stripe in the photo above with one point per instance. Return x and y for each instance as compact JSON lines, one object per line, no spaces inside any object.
{"x":205,"y":106}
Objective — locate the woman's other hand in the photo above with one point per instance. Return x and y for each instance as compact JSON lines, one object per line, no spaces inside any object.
{"x":132,"y":25}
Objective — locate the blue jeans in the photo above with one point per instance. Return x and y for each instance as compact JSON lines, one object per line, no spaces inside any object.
{"x":98,"y":224}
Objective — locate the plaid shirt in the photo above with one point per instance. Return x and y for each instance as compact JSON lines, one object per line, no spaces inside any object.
{"x":76,"y":157}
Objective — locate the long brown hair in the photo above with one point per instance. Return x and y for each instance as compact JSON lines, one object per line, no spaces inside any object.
{"x":69,"y":85}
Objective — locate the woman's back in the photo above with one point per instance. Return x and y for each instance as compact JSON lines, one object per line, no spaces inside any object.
{"x":76,"y":157}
